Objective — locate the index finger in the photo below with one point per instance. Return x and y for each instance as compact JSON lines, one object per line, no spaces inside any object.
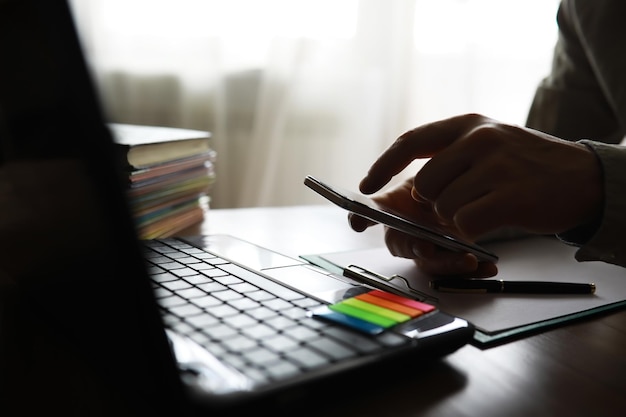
{"x":421,"y":142}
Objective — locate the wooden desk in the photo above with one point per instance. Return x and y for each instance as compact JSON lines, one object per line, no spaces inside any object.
{"x":575,"y":370}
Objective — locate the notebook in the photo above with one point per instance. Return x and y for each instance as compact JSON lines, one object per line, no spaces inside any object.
{"x":168,"y":325}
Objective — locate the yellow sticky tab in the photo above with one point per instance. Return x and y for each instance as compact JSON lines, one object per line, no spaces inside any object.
{"x":362,"y":314}
{"x":380,"y":311}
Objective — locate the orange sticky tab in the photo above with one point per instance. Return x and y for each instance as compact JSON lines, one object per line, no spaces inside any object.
{"x":426,"y":308}
{"x":409,"y":311}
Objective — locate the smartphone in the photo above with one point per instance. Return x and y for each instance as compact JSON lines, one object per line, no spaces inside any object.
{"x":368,"y":208}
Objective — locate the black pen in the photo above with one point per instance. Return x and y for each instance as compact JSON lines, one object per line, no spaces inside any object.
{"x":512,"y":287}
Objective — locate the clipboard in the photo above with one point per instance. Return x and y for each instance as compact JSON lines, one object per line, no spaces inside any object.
{"x":498,"y":318}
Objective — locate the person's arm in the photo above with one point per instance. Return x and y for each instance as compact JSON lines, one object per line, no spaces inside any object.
{"x":585,"y":97}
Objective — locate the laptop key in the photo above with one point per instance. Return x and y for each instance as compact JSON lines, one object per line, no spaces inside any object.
{"x":307,"y":358}
{"x":261,"y":295}
{"x":244,"y":304}
{"x":191,"y":293}
{"x":280,"y":343}
{"x":205,"y":302}
{"x":171,"y":301}
{"x":282,"y":369}
{"x":202,"y":320}
{"x":260,"y":356}
{"x":333,"y":349}
{"x":176,"y":285}
{"x":220,"y":332}
{"x":186,"y":310}
{"x":260,"y":331}
{"x":281,"y":322}
{"x":241,"y":321}
{"x":239,"y":343}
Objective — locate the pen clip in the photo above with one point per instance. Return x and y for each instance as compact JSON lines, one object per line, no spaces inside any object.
{"x":382,"y":282}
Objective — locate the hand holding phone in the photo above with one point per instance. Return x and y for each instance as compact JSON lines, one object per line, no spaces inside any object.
{"x":368,"y":208}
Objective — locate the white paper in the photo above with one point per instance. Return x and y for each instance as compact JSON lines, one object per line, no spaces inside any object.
{"x":530,"y":259}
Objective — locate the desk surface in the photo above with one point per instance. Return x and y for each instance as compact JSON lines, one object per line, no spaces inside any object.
{"x":575,"y":370}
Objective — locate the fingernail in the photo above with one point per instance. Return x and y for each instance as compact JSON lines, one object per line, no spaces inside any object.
{"x":363,"y":186}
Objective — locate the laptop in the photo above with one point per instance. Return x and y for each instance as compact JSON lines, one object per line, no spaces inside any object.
{"x":173,"y":325}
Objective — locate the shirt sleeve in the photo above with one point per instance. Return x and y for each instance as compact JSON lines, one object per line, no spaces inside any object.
{"x":606,"y":239}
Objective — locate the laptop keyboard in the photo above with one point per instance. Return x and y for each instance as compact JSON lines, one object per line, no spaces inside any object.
{"x":255,"y":325}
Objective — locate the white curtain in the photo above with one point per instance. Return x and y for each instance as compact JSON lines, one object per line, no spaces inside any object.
{"x":321,"y":87}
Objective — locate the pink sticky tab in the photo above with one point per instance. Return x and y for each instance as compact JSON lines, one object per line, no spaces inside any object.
{"x":426,"y":308}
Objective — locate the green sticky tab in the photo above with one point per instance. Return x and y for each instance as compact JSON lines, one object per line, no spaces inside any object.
{"x":378,"y":310}
{"x":362,"y":314}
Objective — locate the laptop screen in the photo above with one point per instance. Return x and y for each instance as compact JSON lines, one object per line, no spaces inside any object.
{"x":74,"y":280}
{"x":71,"y":271}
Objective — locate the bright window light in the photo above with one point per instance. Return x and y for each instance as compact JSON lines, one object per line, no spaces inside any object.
{"x":453,"y":26}
{"x":317,"y":19}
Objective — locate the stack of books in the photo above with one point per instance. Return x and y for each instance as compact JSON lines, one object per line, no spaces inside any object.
{"x":170,"y":172}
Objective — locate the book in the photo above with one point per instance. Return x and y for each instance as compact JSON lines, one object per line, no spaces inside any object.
{"x":169,"y":174}
{"x":173,"y":224}
{"x":166,"y":221}
{"x":171,"y":203}
{"x":145,"y":146}
{"x":204,"y":160}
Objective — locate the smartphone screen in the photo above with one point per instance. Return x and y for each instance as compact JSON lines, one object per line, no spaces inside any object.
{"x":368,"y":208}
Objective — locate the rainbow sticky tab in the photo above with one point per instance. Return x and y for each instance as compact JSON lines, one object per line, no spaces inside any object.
{"x":373,"y":312}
